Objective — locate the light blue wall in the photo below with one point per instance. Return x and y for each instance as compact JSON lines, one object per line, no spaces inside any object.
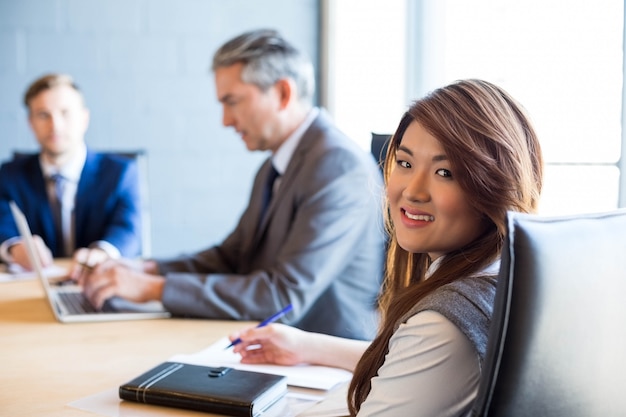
{"x":143,"y":66}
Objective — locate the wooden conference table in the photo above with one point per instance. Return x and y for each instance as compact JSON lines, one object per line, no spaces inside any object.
{"x":46,"y":364}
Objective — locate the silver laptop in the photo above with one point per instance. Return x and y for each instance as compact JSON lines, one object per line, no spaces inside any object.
{"x":68,"y":303}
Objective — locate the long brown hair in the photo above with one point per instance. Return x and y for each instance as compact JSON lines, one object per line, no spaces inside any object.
{"x":494,"y":150}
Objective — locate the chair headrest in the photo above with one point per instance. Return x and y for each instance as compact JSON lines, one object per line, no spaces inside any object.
{"x":557,"y":344}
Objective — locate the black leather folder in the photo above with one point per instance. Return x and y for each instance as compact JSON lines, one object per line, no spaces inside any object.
{"x":215,"y":390}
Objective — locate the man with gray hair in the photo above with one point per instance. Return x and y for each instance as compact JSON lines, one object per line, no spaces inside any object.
{"x":312,"y":233}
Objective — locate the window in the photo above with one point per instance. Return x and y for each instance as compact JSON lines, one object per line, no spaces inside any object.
{"x":364,"y":60}
{"x":562,"y":60}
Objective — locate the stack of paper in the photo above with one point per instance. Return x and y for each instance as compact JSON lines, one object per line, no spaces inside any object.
{"x":307,"y":376}
{"x":15,"y":273}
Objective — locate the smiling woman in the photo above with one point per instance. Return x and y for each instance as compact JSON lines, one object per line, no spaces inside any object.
{"x":481,"y":159}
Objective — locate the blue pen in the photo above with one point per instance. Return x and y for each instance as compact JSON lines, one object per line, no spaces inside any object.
{"x":265,"y":323}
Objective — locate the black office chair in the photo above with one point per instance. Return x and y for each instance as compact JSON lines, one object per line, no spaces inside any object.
{"x":378,"y":147}
{"x":557,"y":346}
{"x":140,"y":156}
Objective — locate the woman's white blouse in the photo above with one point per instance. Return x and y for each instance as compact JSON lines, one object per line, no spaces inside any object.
{"x":431,"y":369}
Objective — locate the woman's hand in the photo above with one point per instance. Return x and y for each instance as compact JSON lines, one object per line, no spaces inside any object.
{"x":275,"y":343}
{"x":285,"y":345}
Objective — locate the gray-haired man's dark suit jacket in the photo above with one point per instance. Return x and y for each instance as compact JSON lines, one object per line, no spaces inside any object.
{"x":320,"y":246}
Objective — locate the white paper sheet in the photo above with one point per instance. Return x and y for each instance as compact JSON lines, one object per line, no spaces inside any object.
{"x":308,"y":376}
{"x":335,"y":404}
{"x":15,"y":273}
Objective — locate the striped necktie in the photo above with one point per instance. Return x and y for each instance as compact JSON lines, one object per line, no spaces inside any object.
{"x":62,"y":218}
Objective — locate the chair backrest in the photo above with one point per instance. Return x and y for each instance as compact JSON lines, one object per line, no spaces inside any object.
{"x":557,"y":344}
{"x":378,"y":147}
{"x":141,"y":158}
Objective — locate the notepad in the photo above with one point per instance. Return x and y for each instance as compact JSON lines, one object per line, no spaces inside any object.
{"x":220,"y":390}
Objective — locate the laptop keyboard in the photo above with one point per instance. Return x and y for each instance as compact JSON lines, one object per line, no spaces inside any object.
{"x":77,"y":303}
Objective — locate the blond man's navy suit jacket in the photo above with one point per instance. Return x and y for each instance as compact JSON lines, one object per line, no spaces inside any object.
{"x":107,"y":205}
